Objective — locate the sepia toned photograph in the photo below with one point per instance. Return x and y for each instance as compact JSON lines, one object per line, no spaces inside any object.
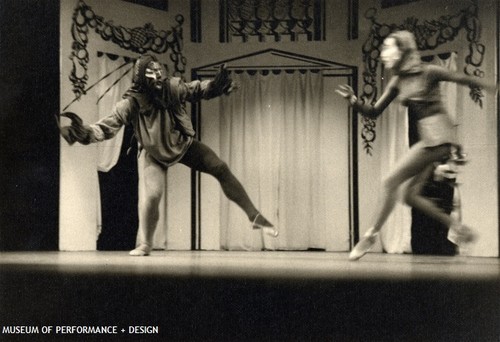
{"x":249,"y":170}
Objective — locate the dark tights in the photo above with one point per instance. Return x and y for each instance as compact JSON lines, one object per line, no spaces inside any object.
{"x":202,"y":158}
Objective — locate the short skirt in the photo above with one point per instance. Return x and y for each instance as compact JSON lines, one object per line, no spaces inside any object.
{"x":436,"y":130}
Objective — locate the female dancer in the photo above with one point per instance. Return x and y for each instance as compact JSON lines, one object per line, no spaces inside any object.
{"x":416,"y":85}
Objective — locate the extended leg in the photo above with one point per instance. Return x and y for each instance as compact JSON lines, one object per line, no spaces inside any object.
{"x":202,"y":158}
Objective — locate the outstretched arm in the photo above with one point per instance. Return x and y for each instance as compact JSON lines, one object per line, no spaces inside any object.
{"x":372,"y":111}
{"x":442,"y":74}
{"x":208,"y":89}
{"x":103,"y":129}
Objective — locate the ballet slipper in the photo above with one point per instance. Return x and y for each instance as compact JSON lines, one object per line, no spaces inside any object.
{"x":141,"y":250}
{"x":460,"y":234}
{"x":364,"y":245}
{"x":268,"y":230}
{"x":271,"y":231}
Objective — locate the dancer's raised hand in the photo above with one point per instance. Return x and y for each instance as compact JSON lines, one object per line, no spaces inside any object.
{"x":345,"y":91}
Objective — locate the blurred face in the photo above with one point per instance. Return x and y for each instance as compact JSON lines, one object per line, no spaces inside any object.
{"x":154,"y":75}
{"x":390,"y":54}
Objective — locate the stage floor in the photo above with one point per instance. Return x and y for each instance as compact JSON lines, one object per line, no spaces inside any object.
{"x":233,"y":296}
{"x":271,"y":265}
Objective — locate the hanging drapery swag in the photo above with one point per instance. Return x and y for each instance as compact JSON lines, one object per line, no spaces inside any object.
{"x":138,"y":39}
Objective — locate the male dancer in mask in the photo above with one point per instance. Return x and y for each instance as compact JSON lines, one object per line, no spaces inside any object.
{"x":155,"y":106}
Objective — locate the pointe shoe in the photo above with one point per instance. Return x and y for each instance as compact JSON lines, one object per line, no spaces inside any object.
{"x":271,"y":231}
{"x":141,"y":250}
{"x":460,"y":234}
{"x":364,"y":245}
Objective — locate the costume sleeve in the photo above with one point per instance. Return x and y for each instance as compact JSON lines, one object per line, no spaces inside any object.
{"x":441,"y":74}
{"x":373,"y":111}
{"x":208,"y":89}
{"x":108,"y":127}
{"x":194,"y":91}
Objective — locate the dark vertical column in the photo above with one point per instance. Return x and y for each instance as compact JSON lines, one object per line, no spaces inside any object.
{"x":319,"y":20}
{"x":355,"y":172}
{"x":195,"y":178}
{"x":429,"y":236}
{"x":353,"y":20}
{"x":498,"y":117}
{"x":223,"y":33}
{"x":119,"y":188}
{"x":195,"y":8}
{"x":29,"y":138}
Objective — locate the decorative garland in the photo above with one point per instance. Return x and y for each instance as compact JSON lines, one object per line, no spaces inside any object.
{"x":138,"y":39}
{"x":428,"y":35}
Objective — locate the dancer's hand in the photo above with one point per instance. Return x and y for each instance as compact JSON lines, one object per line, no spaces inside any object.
{"x":223,"y":71}
{"x":345,"y":91}
{"x":222,"y":78}
{"x":228,"y":84}
{"x":222,"y":83}
{"x":233,"y":86}
{"x":77,"y":131}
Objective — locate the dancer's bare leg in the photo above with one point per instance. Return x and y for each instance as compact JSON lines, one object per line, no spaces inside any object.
{"x":413,"y":197}
{"x":153,"y":176}
{"x":417,"y":160}
{"x":457,"y":233}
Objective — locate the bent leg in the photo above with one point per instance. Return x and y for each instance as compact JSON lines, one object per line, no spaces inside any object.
{"x":413,"y":197}
{"x":151,"y":190}
{"x":457,"y":233}
{"x":415,"y":162}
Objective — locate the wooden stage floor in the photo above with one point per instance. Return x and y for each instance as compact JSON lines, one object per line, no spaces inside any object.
{"x":257,"y":296}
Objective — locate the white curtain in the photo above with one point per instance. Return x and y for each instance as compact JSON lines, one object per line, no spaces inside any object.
{"x":108,"y":151}
{"x":275,"y":135}
{"x":393,"y":127}
{"x":110,"y":93}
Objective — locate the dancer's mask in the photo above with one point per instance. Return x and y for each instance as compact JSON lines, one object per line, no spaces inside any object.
{"x":149,"y":74}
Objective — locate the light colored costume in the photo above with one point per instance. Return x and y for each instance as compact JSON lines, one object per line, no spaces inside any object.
{"x":415,"y":85}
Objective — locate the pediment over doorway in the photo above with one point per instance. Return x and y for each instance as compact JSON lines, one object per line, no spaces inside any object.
{"x":273,"y":59}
